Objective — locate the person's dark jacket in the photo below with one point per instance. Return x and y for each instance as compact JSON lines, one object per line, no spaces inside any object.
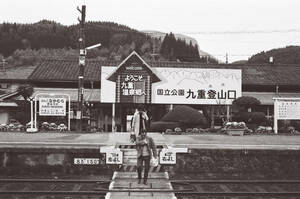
{"x":150,"y":145}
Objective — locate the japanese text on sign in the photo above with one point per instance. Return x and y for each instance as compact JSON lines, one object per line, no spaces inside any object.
{"x":128,"y":85}
{"x":86,"y":161}
{"x":288,"y":109}
{"x":198,"y":94}
{"x":167,"y":156}
{"x":197,"y":86}
{"x":52,"y":106}
{"x":114,"y":157}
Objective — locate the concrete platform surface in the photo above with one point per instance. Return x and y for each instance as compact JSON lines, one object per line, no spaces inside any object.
{"x":202,"y":141}
{"x":128,"y":182}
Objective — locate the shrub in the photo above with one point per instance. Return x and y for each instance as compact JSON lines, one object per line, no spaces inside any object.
{"x":169,"y":131}
{"x":161,"y":126}
{"x":187,"y":116}
{"x":195,"y":130}
{"x":258,"y":118}
{"x":246,"y":102}
{"x":296,"y":124}
{"x":177,"y":130}
{"x":189,"y":130}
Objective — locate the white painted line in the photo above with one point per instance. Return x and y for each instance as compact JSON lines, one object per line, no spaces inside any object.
{"x":235,"y":146}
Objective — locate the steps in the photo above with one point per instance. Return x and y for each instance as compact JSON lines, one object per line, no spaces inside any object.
{"x":125,"y":185}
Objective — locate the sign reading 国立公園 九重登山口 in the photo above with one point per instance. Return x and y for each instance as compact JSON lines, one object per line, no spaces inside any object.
{"x":181,"y":86}
{"x":52,"y":106}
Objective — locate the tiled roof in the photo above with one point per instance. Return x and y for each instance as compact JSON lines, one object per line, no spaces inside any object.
{"x":266,"y":98}
{"x":92,"y":95}
{"x":16,"y":73}
{"x":67,"y":70}
{"x":252,"y":74}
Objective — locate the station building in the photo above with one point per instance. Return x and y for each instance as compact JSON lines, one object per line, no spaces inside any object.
{"x":113,"y":90}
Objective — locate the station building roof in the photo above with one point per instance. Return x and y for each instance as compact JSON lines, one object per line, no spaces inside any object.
{"x":16,"y":74}
{"x":67,"y":70}
{"x":254,"y":74}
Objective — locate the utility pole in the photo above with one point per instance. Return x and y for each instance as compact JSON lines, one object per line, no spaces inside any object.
{"x":226,"y":58}
{"x":82,"y":54}
{"x":3,"y":64}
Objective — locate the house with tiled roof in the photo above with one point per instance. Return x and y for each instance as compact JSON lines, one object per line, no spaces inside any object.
{"x":10,"y":81}
{"x":112,"y":90}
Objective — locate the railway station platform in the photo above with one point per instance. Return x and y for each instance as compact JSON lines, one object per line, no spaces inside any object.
{"x":125,"y":185}
{"x":69,"y":140}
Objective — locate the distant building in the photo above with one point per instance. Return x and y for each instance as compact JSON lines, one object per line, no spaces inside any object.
{"x":112,"y":90}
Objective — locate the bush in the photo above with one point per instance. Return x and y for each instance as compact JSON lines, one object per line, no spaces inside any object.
{"x":246,"y":102}
{"x":178,"y":130}
{"x":169,"y":131}
{"x":161,"y":126}
{"x":258,"y":118}
{"x":187,"y":116}
{"x":296,"y":124}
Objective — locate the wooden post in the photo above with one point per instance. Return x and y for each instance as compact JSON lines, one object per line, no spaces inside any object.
{"x":227,"y":113}
{"x":113,"y":119}
{"x":212,"y":113}
{"x":275,"y":117}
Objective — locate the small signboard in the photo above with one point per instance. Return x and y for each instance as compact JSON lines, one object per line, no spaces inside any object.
{"x":286,"y":109}
{"x":114,"y":156}
{"x":167,"y":156}
{"x":52,"y":106}
{"x":87,"y":161}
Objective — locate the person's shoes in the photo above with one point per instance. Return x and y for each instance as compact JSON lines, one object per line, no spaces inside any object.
{"x":145,"y":182}
{"x":140,"y":181}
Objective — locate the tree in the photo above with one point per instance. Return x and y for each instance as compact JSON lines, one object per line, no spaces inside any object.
{"x":245,"y":102}
{"x":26,"y":91}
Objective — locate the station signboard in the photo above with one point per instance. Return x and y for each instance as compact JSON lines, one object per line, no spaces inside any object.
{"x":52,"y":106}
{"x":285,"y":109}
{"x":112,"y":155}
{"x":86,"y":161}
{"x":167,"y":156}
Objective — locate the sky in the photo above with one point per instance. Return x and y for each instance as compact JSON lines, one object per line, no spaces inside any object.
{"x":239,"y":28}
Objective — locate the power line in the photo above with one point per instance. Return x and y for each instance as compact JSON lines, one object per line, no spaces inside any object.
{"x":243,"y":32}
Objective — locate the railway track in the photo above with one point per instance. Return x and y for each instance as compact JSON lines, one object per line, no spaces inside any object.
{"x":237,"y":188}
{"x":182,"y":188}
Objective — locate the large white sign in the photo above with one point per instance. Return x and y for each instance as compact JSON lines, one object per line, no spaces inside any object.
{"x":197,"y":86}
{"x":52,"y":106}
{"x":185,"y":86}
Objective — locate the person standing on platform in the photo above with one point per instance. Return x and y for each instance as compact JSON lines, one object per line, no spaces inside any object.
{"x":138,"y":122}
{"x":146,"y":148}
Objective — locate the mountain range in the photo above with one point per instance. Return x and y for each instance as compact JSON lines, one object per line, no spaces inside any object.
{"x":187,"y":39}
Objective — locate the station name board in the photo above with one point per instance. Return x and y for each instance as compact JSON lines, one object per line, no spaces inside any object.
{"x":52,"y":106}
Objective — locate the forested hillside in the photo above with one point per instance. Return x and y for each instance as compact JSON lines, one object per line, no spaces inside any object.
{"x":287,"y":55}
{"x":28,"y":43}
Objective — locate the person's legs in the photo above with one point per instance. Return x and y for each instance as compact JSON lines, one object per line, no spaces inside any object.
{"x":147,"y":167}
{"x":140,"y":168}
